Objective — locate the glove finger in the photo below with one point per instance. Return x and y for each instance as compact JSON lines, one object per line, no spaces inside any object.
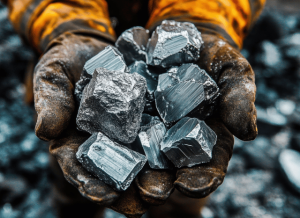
{"x":155,"y":186}
{"x":236,"y":81}
{"x":53,"y":95}
{"x":54,"y":79}
{"x":201,"y":180}
{"x":64,"y":150}
{"x":130,"y":203}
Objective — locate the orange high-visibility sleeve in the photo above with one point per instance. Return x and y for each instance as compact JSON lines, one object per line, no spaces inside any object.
{"x":231,"y":18}
{"x":40,"y":21}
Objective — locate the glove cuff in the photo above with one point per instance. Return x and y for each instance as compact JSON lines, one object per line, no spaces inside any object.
{"x":39,"y":22}
{"x":230,"y":19}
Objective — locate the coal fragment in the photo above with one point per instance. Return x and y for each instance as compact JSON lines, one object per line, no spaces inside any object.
{"x":181,"y":90}
{"x":113,"y":103}
{"x":109,"y":58}
{"x":132,"y":44}
{"x":111,"y":162}
{"x":289,"y":161}
{"x":174,"y":43}
{"x":189,"y":142}
{"x":150,"y":137}
{"x":141,"y":68}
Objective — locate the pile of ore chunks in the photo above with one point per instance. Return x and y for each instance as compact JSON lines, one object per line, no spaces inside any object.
{"x":134,"y":100}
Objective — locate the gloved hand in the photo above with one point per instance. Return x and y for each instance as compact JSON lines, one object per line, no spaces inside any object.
{"x":235,"y":115}
{"x":54,"y":80}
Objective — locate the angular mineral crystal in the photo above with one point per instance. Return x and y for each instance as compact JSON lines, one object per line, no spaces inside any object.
{"x":181,"y":90}
{"x":141,"y":68}
{"x":113,"y":103}
{"x":174,"y":43}
{"x":132,"y":44}
{"x":109,"y":58}
{"x":150,"y":137}
{"x":111,"y":162}
{"x":189,"y":142}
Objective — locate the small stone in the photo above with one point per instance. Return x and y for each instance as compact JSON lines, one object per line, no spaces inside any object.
{"x":150,"y":137}
{"x":132,"y":44}
{"x":141,"y":68}
{"x":113,"y":103}
{"x":174,"y":43}
{"x":109,"y":58}
{"x":189,"y":142}
{"x":111,"y":162}
{"x":188,"y":84}
{"x":289,"y":161}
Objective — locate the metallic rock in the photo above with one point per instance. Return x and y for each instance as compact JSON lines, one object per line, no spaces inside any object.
{"x":181,"y":90}
{"x":174,"y":43}
{"x":150,"y":137}
{"x":189,"y":142}
{"x":112,"y":103}
{"x":109,"y":58}
{"x":141,"y":68}
{"x":111,"y":162}
{"x":132,"y":44}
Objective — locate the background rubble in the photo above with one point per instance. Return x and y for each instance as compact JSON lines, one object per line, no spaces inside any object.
{"x":254,"y":185}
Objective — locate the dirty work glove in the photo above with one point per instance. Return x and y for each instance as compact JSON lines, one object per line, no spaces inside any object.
{"x":54,"y":81}
{"x":64,"y":149}
{"x":235,"y":115}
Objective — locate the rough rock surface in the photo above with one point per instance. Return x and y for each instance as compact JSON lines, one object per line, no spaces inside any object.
{"x":189,"y":142}
{"x":109,"y":58}
{"x":174,"y":43}
{"x":111,"y":162}
{"x":113,"y":103}
{"x":132,"y":44}
{"x":188,"y":84}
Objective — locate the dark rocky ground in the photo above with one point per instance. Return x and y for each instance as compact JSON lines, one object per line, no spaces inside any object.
{"x":254,"y":186}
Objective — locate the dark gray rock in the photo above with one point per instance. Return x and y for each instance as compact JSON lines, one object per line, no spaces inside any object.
{"x":150,"y":137}
{"x":174,"y":43}
{"x":111,"y":162}
{"x":189,"y":142}
{"x":109,"y":58}
{"x":141,"y":68}
{"x":289,"y":161}
{"x":132,"y":44}
{"x":113,"y":103}
{"x":188,"y":84}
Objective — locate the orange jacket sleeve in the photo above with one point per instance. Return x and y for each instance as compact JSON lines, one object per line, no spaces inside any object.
{"x":231,"y":19}
{"x":40,"y":21}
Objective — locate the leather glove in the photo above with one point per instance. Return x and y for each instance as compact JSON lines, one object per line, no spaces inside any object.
{"x":236,"y":115}
{"x":54,"y":78}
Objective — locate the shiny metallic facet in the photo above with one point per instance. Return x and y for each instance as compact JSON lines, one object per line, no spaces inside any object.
{"x":109,"y":58}
{"x":113,"y":103}
{"x":150,"y":137}
{"x":189,"y":142}
{"x":174,"y":43}
{"x":111,"y":162}
{"x":181,"y":90}
{"x":132,"y":44}
{"x":141,"y":68}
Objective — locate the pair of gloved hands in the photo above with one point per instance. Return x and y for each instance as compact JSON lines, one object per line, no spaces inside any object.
{"x":54,"y":80}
